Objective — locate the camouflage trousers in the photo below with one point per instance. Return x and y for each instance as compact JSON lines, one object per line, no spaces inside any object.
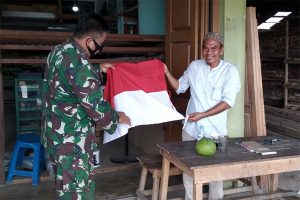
{"x":74,"y":173}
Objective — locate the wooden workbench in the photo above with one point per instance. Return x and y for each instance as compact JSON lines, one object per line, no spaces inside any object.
{"x":236,"y":163}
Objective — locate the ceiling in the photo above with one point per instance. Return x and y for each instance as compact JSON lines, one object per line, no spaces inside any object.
{"x":267,"y":8}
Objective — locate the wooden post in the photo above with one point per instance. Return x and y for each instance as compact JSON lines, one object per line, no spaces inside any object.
{"x":203,"y":23}
{"x":286,"y":65}
{"x":164,"y":179}
{"x":2,"y":134}
{"x":215,"y":22}
{"x":60,"y":14}
{"x":255,"y":111}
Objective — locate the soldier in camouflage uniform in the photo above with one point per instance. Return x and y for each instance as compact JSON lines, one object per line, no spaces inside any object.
{"x":73,"y":102}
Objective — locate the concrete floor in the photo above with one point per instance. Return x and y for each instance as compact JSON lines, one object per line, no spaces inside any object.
{"x":115,"y":186}
{"x":109,"y":186}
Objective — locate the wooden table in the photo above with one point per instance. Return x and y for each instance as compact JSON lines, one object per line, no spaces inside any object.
{"x":236,"y":163}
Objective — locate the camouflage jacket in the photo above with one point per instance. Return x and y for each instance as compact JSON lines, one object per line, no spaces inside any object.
{"x":72,"y":97}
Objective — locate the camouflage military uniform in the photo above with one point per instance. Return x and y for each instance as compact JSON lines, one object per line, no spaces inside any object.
{"x":73,"y":101}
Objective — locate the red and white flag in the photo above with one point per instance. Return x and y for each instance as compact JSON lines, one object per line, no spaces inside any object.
{"x":140,"y":91}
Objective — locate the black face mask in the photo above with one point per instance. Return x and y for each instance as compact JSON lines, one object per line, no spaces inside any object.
{"x":98,"y":48}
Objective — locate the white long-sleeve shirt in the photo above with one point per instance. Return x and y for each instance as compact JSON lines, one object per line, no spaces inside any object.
{"x":209,"y":87}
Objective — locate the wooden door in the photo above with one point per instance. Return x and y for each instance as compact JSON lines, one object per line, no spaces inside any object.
{"x":182,"y":47}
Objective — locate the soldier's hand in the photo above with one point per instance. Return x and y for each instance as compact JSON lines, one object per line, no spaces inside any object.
{"x":106,"y":66}
{"x":124,"y":119}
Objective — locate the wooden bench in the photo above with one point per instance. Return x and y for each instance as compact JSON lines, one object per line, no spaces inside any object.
{"x":152,"y":164}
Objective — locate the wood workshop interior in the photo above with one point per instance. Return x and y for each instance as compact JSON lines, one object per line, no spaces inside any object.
{"x":261,"y":39}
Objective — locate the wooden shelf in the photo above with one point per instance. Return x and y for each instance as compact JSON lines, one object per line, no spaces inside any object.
{"x":281,"y":61}
{"x":264,"y":59}
{"x":43,"y":41}
{"x":292,"y":86}
{"x":139,"y":50}
{"x":57,"y":37}
{"x":129,"y":10}
{"x":273,"y":79}
{"x":44,"y":60}
{"x":292,"y":61}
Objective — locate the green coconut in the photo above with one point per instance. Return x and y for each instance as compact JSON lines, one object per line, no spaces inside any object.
{"x":206,"y":147}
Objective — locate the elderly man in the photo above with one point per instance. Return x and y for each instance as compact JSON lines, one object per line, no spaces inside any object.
{"x":73,"y":102}
{"x":213,"y":84}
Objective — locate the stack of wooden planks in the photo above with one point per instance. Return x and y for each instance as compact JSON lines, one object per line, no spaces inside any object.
{"x":283,"y":121}
{"x":254,"y":101}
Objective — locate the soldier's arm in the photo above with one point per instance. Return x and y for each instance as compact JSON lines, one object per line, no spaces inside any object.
{"x":84,"y":79}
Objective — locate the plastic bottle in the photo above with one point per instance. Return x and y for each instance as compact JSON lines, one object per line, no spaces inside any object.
{"x":200,"y":133}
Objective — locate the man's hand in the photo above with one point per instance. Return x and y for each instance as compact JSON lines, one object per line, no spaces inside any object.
{"x":106,"y":66}
{"x":124,"y":119}
{"x":173,"y":81}
{"x":196,"y":116}
{"x":166,"y":70}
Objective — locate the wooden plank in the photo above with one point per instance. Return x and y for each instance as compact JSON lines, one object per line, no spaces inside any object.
{"x":31,"y":7}
{"x":43,"y":60}
{"x":164,"y":179}
{"x":286,"y":65}
{"x":265,"y":196}
{"x":283,"y":121}
{"x":203,"y":23}
{"x":133,"y":8}
{"x":284,"y":113}
{"x":285,"y":130}
{"x":52,"y":36}
{"x":215,"y":16}
{"x":254,"y":78}
{"x":292,"y":61}
{"x":25,"y":47}
{"x":2,"y":131}
{"x":242,"y":170}
{"x":282,"y":125}
{"x":118,"y":50}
